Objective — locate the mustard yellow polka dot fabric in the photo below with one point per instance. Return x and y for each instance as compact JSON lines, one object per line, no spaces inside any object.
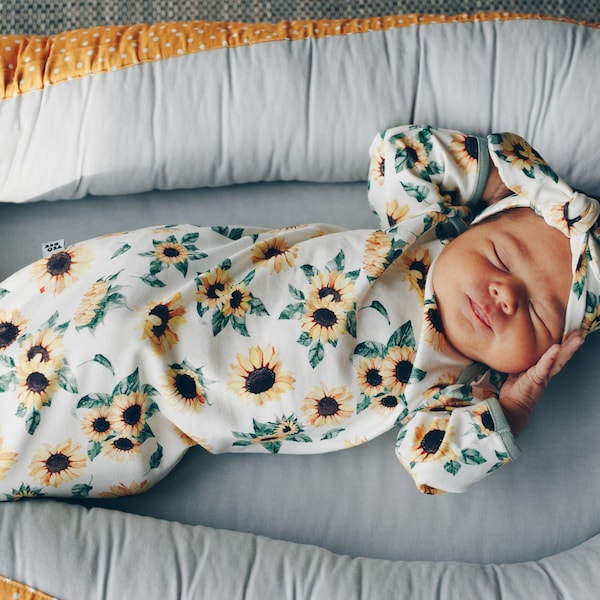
{"x":29,"y":63}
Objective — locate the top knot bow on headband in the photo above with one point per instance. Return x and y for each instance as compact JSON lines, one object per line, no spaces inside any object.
{"x":537,"y":186}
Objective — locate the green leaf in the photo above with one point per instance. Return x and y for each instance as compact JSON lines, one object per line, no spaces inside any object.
{"x":239,"y":325}
{"x":272,"y":447}
{"x":332,"y":433}
{"x":417,"y":375}
{"x":94,"y":400}
{"x":128,"y":385}
{"x":249,"y":277}
{"x":8,"y":381}
{"x":66,"y":379}
{"x":296,"y":293}
{"x":453,"y":467}
{"x":32,"y":421}
{"x":418,"y":192}
{"x":93,"y":449}
{"x":293,"y":311}
{"x":145,"y":434}
{"x":3,"y":292}
{"x":351,"y":323}
{"x":152,"y":281}
{"x":190,"y":238}
{"x":257,"y":307}
{"x":337,"y":263}
{"x":156,"y":266}
{"x":121,"y":250}
{"x":81,"y":490}
{"x":304,"y":339}
{"x":370,"y":349}
{"x":380,"y":308}
{"x":363,"y":404}
{"x":219,"y":322}
{"x":309,"y":271}
{"x":7,"y":361}
{"x":21,"y":410}
{"x":403,"y":336}
{"x":316,"y":354}
{"x":472,"y":457}
{"x":156,"y":457}
{"x":182,"y":267}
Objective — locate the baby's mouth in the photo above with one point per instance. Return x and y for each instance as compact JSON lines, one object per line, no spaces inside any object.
{"x":480,"y":314}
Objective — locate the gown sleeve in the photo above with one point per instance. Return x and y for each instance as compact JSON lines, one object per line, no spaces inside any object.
{"x":457,"y":441}
{"x":418,"y":169}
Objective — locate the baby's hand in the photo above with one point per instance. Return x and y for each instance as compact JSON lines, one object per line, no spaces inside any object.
{"x":521,"y":392}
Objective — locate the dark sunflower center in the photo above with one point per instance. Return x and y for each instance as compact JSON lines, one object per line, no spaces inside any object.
{"x":132,"y":414}
{"x":327,"y":406}
{"x":56,"y":463}
{"x":433,"y":314}
{"x":37,"y":382}
{"x":271,"y":252}
{"x":162,"y":312}
{"x":325,"y":317}
{"x":260,"y":380}
{"x":382,"y":167}
{"x":59,"y":263}
{"x":389,"y":401}
{"x":38,"y":351}
{"x":472,"y":147}
{"x":171,"y":252}
{"x":329,"y":291}
{"x":286,"y":429}
{"x":403,"y":371}
{"x":419,"y":266}
{"x":519,"y":151}
{"x":8,"y":334}
{"x":214,"y":289}
{"x":488,"y":422}
{"x":374,"y":377}
{"x":432,"y":441}
{"x":236,"y":299}
{"x":412,"y":155}
{"x":101,"y":425}
{"x":124,"y":444}
{"x":185,"y":385}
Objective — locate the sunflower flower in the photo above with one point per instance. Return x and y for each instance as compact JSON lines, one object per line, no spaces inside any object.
{"x":274,"y":253}
{"x":161,"y":322}
{"x":465,"y":150}
{"x":127,"y":413}
{"x":60,"y":270}
{"x":324,"y":320}
{"x":55,"y":465}
{"x":36,"y":382}
{"x":12,"y":325}
{"x":397,"y":368}
{"x":184,"y":389}
{"x":327,"y":406}
{"x":258,"y":377}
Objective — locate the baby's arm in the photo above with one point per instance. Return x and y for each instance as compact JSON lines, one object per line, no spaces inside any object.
{"x":522,"y":391}
{"x":421,"y":169}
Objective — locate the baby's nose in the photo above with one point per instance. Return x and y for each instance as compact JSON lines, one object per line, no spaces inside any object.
{"x":506,"y":294}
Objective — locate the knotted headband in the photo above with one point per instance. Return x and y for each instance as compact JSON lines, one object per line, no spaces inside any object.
{"x":537,"y":186}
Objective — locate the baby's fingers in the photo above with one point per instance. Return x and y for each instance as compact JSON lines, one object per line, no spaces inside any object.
{"x":566,"y":350}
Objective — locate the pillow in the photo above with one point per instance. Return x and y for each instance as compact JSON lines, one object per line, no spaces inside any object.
{"x":73,"y":552}
{"x":116,"y":110}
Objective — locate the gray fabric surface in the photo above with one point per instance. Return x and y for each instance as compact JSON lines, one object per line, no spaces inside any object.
{"x":46,"y":17}
{"x":102,"y":554}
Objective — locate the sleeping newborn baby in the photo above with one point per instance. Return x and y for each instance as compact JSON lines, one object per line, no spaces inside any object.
{"x":119,"y":353}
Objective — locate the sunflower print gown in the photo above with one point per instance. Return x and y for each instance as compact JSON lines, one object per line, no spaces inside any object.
{"x":119,"y":353}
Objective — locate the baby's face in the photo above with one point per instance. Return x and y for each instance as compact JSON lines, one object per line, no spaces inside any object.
{"x":502,"y":289}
